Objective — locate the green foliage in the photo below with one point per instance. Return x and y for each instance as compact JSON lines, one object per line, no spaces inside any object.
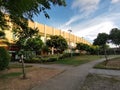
{"x":77,"y":60}
{"x":4,"y":58}
{"x":29,"y":8}
{"x":82,"y":46}
{"x":94,"y":49}
{"x":45,"y":48}
{"x":101,"y":39}
{"x":3,"y":24}
{"x":33,"y":60}
{"x":42,"y":59}
{"x":58,"y":42}
{"x":34,"y":44}
{"x":2,"y":34}
{"x":67,"y":55}
{"x":114,"y":36}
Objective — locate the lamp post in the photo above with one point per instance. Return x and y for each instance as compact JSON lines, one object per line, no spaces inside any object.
{"x":69,"y":41}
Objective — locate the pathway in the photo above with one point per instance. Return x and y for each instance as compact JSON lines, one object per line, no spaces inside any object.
{"x":71,"y":79}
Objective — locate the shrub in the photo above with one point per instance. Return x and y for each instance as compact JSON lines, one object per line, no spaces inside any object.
{"x":33,"y":60}
{"x":65,"y":55}
{"x":76,"y":54}
{"x":52,"y":59}
{"x":4,"y":58}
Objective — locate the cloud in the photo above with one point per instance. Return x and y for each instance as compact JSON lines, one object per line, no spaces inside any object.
{"x":115,"y":1}
{"x":90,"y":29}
{"x":86,"y":6}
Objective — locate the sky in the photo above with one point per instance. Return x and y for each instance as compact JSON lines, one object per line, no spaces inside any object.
{"x":86,"y":18}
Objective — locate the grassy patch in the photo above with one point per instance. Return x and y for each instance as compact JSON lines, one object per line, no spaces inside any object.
{"x":77,"y":60}
{"x":18,"y":65}
{"x":113,"y":64}
{"x":9,"y":75}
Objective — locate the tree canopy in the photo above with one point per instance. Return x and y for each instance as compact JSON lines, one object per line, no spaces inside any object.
{"x":101,"y":39}
{"x":115,"y":36}
{"x":82,"y":46}
{"x":28,"y":8}
{"x":2,"y":34}
{"x":58,"y":42}
{"x":34,"y":44}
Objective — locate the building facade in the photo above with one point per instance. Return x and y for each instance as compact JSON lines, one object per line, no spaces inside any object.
{"x":45,"y":32}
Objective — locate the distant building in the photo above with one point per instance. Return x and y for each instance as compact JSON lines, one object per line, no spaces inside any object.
{"x":45,"y":32}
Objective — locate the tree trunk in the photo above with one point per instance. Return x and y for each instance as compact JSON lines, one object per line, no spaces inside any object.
{"x":23,"y":67}
{"x":52,"y":50}
{"x":105,"y":53}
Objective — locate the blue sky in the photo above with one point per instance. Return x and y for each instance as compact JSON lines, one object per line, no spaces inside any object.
{"x":86,"y":18}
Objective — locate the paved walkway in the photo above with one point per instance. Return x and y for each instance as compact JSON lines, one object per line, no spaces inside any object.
{"x":105,"y":72}
{"x":72,"y":78}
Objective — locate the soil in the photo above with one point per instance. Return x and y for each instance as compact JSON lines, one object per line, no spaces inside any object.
{"x":114,"y":63}
{"x":99,"y":82}
{"x":35,"y":76}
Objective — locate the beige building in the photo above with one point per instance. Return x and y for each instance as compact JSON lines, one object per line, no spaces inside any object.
{"x":45,"y":31}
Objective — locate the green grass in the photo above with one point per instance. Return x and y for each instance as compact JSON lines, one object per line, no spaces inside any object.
{"x":18,"y":65}
{"x":9,"y":75}
{"x":77,"y":60}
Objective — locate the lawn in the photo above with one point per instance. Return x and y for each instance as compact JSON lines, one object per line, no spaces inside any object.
{"x":111,"y":64}
{"x":77,"y":60}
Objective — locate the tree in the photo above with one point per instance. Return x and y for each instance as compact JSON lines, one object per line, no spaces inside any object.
{"x":94,"y":49}
{"x":115,"y":36}
{"x":101,"y":41}
{"x":2,"y":34}
{"x":34,"y":44}
{"x":82,"y":47}
{"x":4,"y":58}
{"x":26,"y":8}
{"x":57,"y":42}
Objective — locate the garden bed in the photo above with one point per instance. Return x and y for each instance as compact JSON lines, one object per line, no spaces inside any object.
{"x":111,"y":64}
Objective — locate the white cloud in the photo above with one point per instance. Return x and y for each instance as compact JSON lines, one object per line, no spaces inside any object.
{"x":92,"y":31}
{"x":89,"y":29}
{"x":115,"y":1}
{"x":86,"y":6}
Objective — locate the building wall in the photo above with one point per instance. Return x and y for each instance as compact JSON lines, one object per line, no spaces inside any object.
{"x":45,"y":32}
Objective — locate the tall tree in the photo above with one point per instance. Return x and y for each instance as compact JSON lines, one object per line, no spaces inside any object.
{"x":101,"y":41}
{"x":115,"y":36}
{"x":19,"y":10}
